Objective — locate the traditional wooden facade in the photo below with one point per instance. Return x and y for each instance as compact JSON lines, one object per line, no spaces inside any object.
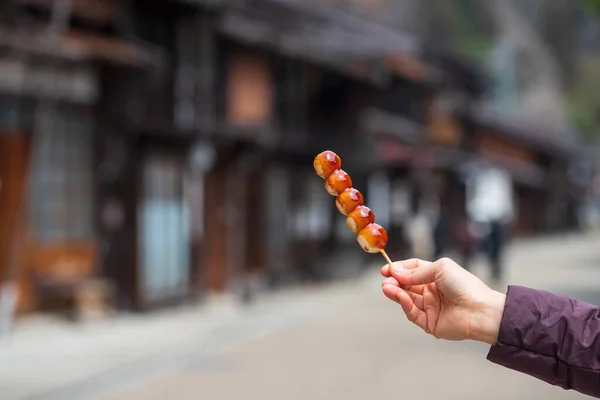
{"x":265,"y":107}
{"x":191,"y":173}
{"x":55,"y":61}
{"x":178,"y":164}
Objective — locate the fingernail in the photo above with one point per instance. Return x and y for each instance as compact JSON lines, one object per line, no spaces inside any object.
{"x":397,"y":268}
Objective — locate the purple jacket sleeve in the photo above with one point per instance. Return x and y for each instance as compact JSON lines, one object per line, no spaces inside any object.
{"x":551,"y":337}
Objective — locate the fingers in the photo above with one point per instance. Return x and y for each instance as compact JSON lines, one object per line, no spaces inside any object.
{"x":392,"y":281}
{"x":391,"y":290}
{"x":413,"y":313}
{"x":417,"y":300}
{"x":385,"y":271}
{"x":414,"y":289}
{"x":407,"y":301}
{"x":417,"y":289}
{"x":415,"y":272}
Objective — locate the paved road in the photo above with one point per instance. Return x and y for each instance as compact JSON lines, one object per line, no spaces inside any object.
{"x":356,"y":345}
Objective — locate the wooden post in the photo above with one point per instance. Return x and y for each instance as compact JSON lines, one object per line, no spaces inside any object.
{"x":14,"y":161}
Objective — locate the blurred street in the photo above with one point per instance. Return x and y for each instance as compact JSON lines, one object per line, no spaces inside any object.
{"x":362,"y":348}
{"x":171,"y":174}
{"x":338,"y":341}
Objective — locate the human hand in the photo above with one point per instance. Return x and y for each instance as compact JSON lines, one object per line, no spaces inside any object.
{"x":444,"y":299}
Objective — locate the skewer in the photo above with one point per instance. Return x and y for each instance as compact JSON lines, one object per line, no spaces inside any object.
{"x":384,"y":254}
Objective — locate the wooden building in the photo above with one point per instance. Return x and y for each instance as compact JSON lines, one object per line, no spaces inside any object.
{"x":56,"y":58}
{"x":260,"y":94}
{"x":189,"y":145}
{"x":167,"y":146}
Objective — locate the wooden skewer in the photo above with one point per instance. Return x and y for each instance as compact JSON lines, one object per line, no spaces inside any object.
{"x":384,"y":254}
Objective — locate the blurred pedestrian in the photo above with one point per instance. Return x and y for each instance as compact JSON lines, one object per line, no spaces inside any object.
{"x":440,"y":232}
{"x":496,"y":243}
{"x":418,"y":232}
{"x":550,"y":337}
{"x":490,"y":204}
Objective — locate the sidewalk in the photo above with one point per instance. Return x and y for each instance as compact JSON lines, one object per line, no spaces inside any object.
{"x":362,"y":347}
{"x":46,"y":358}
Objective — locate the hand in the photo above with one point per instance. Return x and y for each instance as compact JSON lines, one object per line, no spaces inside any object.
{"x":444,"y":299}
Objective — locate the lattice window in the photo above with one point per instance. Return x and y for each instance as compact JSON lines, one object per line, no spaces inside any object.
{"x":61,"y":193}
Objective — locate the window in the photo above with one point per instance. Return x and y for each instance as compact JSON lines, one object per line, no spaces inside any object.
{"x":249,"y":91}
{"x":60,"y":199}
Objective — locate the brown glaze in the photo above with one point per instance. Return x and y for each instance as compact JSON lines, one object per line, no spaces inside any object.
{"x":348,"y":200}
{"x":325,"y":163}
{"x":360,"y":218}
{"x":372,"y":239}
{"x":337,"y":182}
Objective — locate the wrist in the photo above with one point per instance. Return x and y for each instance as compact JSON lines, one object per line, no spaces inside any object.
{"x":487,"y":318}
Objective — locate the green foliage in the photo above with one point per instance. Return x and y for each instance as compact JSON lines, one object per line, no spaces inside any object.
{"x":584,"y":101}
{"x":462,"y":17}
{"x":476,"y":46}
{"x":592,"y":6}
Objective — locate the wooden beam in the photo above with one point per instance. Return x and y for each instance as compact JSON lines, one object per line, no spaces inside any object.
{"x":112,"y":49}
{"x":80,"y":46}
{"x":409,"y":67}
{"x":95,"y":11}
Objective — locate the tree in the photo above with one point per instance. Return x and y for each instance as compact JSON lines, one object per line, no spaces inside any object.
{"x":584,"y":101}
{"x":592,"y":6}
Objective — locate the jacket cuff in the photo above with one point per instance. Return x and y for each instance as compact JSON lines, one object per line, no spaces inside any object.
{"x":516,"y":315}
{"x":514,"y":318}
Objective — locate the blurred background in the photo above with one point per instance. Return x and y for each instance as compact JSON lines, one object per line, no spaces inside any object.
{"x":163,"y":233}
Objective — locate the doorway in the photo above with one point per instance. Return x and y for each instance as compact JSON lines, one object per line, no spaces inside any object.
{"x":164,"y":242}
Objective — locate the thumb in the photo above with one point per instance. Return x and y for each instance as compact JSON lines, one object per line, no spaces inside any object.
{"x":418,"y":272}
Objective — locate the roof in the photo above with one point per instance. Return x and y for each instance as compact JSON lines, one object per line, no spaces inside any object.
{"x":330,"y":35}
{"x":362,"y":47}
{"x":78,"y":46}
{"x":549,"y":139}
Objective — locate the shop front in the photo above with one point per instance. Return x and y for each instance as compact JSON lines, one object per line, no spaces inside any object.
{"x":46,"y":140}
